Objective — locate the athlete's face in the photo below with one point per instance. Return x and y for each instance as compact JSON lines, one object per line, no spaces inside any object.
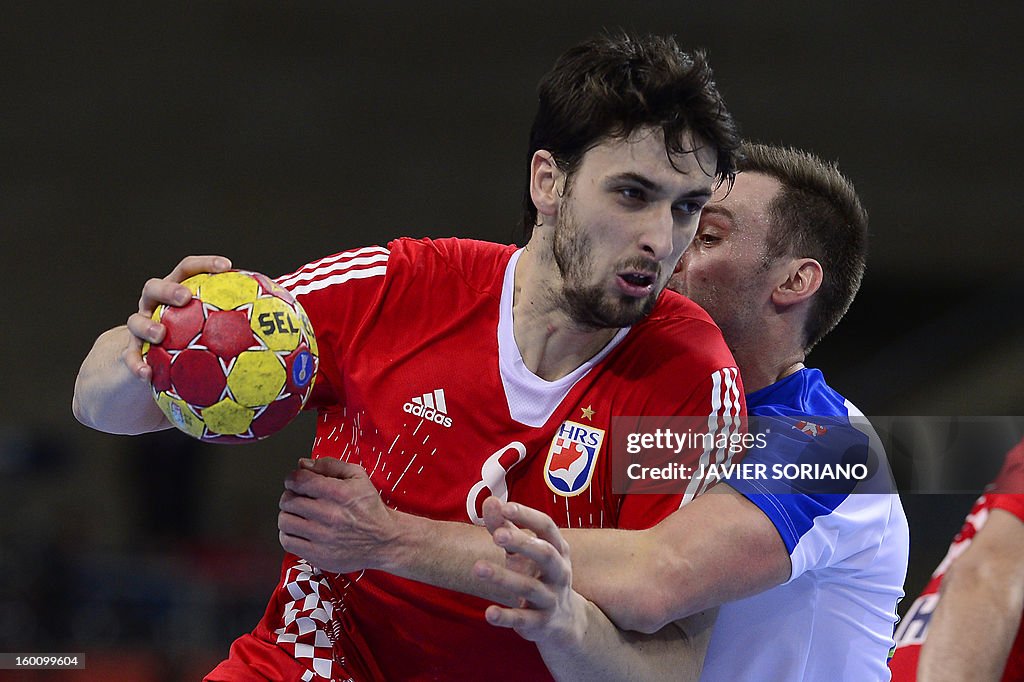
{"x":724,"y":269}
{"x":624,"y":221}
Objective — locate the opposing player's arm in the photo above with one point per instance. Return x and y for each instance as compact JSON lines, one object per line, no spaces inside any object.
{"x":974,"y":625}
{"x":676,"y":652}
{"x":112,"y":391}
{"x":576,"y":640}
{"x":605,"y":652}
{"x":719,"y":548}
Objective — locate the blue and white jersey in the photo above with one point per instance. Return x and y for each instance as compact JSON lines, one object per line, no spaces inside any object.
{"x":833,"y":619}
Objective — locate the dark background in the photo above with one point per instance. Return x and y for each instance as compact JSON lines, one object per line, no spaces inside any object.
{"x":134,"y":133}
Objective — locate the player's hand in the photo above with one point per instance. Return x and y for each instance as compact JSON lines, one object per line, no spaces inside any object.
{"x":538,"y":570}
{"x":166,"y":291}
{"x":333,"y":517}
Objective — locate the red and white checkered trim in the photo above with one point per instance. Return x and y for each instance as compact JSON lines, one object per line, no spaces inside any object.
{"x":309,"y":626}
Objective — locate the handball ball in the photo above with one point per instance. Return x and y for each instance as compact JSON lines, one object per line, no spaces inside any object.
{"x":237,"y":362}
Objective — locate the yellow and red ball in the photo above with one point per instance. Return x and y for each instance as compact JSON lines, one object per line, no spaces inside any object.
{"x":238,"y":361}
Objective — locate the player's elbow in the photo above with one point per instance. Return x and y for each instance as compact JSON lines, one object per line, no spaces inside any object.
{"x":115,"y":417}
{"x":653,"y":604}
{"x":984,"y":577}
{"x":88,"y":412}
{"x":92,"y":418}
{"x":663,"y":592}
{"x":651,"y":615}
{"x":79,"y":411}
{"x":81,"y":408}
{"x":650,"y":609}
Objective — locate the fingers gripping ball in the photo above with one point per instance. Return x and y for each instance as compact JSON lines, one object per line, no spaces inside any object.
{"x":237,"y":362}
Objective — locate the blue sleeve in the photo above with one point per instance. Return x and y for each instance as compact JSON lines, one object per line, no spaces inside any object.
{"x":806,"y":473}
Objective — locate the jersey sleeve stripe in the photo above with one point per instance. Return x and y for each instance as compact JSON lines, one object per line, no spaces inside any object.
{"x":339,"y":278}
{"x":332,"y":269}
{"x":335,"y":263}
{"x":722,"y":421}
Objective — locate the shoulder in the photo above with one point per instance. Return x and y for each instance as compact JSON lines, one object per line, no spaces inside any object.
{"x":346,"y":266}
{"x":676,"y":307}
{"x":1011,"y":475}
{"x":470,"y":258}
{"x":802,"y":393}
{"x":682,"y":331}
{"x":448,"y":267}
{"x":1006,"y":491}
{"x":680,"y":358}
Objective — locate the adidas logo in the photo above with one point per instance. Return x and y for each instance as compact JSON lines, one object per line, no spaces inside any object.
{"x":430,"y":406}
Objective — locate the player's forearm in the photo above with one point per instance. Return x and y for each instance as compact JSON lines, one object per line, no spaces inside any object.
{"x":611,"y":567}
{"x":600,"y":651}
{"x":972,"y":630}
{"x":643,"y":580}
{"x":622,"y":571}
{"x":442,"y":554}
{"x":108,"y":397}
{"x":717,"y":549}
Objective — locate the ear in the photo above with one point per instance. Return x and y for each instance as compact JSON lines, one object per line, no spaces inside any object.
{"x":546,"y":183}
{"x":803,"y":279}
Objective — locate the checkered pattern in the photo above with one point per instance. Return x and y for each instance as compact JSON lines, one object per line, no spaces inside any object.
{"x":308,"y":632}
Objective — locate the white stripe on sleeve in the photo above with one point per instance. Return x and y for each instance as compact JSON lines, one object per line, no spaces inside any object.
{"x":722,"y":423}
{"x":337,"y":269}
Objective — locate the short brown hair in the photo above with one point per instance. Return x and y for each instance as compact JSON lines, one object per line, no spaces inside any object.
{"x":817,"y":214}
{"x":613,"y":85}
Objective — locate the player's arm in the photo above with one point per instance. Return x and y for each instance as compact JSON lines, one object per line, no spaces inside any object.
{"x":718,"y":548}
{"x":576,"y":640}
{"x":604,"y":652}
{"x":699,"y":557}
{"x":112,"y":391}
{"x":332,"y":516}
{"x":979,"y":612}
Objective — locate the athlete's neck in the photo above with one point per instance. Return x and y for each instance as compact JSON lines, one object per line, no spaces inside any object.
{"x":550,"y":343}
{"x":760,"y":369}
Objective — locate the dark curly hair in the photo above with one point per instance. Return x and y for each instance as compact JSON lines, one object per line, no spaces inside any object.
{"x":613,"y":85}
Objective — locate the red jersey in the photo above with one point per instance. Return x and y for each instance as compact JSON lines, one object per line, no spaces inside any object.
{"x":1003,"y":493}
{"x":421,"y":383}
